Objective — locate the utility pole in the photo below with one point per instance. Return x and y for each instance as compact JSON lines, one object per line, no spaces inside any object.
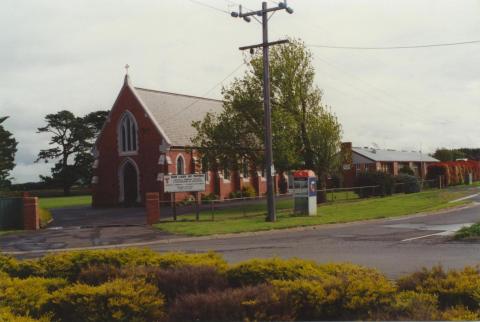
{"x":266,"y":91}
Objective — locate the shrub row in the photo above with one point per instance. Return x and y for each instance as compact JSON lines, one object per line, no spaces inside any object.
{"x":139,"y":285}
{"x":68,"y":265}
{"x":385,"y":184}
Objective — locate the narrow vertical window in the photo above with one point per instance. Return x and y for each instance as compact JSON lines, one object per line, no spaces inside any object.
{"x":127,"y":135}
{"x":180,"y":165}
{"x":124,"y":138}
{"x":245,"y":169}
{"x":134,"y":137}
{"x":226,"y":171}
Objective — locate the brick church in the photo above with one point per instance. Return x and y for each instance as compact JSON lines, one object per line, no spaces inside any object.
{"x":147,"y":135}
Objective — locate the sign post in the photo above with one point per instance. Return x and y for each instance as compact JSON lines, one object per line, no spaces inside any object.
{"x":185,"y":183}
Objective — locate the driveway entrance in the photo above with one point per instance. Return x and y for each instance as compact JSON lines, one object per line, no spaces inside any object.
{"x":97,"y":217}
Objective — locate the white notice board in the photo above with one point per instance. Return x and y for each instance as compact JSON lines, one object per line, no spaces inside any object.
{"x":184,"y":182}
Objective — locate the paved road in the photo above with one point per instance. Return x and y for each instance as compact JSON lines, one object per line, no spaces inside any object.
{"x":395,"y":246}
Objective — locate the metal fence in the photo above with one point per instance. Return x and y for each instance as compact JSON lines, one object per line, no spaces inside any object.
{"x":11,"y":213}
{"x":244,"y":207}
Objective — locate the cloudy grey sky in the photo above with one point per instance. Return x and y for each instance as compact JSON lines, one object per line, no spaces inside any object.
{"x":70,"y":55}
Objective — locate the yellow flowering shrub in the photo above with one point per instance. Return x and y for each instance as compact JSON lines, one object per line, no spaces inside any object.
{"x":455,"y":287}
{"x":69,"y":264}
{"x":7,"y":316}
{"x":353,"y":295}
{"x":363,"y":290}
{"x":118,"y":300}
{"x":256,"y":271}
{"x":27,"y":296}
{"x":179,"y":259}
{"x":410,"y":305}
{"x":460,"y":313}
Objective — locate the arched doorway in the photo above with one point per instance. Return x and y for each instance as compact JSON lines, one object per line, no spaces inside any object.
{"x":130,"y":184}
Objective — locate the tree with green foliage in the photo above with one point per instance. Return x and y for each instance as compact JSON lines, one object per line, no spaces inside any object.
{"x":72,"y":139}
{"x":305,"y":133}
{"x":446,"y":155}
{"x":471,"y":153}
{"x":8,"y":148}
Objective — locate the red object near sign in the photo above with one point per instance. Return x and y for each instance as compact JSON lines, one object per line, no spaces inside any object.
{"x":303,"y":174}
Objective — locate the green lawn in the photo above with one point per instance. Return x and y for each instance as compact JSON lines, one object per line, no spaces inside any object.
{"x":62,"y":202}
{"x":234,"y":220}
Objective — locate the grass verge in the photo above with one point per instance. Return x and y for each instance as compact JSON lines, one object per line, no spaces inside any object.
{"x":63,"y":202}
{"x":234,"y":221}
{"x":472,"y":232}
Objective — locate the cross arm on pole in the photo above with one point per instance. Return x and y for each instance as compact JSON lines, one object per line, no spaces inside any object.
{"x":268,"y":44}
{"x":259,"y":12}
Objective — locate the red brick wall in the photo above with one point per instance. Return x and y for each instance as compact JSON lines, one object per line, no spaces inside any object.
{"x":106,"y":191}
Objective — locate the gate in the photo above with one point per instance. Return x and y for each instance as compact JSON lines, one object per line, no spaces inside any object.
{"x":11,"y":213}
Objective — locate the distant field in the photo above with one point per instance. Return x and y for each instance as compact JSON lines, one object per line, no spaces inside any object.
{"x":63,"y":202}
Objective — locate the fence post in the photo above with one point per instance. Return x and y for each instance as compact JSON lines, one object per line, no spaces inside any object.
{"x":211,"y":209}
{"x":152,"y":205}
{"x":197,"y":209}
{"x":31,"y":217}
{"x":174,"y":207}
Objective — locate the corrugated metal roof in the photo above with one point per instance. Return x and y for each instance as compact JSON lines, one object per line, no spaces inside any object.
{"x":175,"y":113}
{"x":393,"y":155}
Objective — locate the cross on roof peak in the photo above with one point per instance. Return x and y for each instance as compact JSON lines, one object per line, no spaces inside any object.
{"x":127,"y":66}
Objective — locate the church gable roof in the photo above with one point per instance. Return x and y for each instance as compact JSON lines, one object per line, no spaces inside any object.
{"x":174,"y":113}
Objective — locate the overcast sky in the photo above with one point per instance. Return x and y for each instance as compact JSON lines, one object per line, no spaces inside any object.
{"x":70,"y":55}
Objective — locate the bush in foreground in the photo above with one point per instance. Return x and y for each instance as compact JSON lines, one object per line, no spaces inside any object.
{"x":140,"y":285}
{"x":119,"y":300}
{"x":68,"y":265}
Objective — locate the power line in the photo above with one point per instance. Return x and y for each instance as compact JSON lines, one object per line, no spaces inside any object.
{"x":208,"y":6}
{"x":373,"y":95}
{"x":182,"y":110}
{"x":397,"y":47}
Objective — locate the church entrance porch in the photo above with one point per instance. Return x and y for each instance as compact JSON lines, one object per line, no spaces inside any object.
{"x":129,"y":184}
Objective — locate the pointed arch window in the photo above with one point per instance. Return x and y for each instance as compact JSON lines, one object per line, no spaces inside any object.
{"x":180,"y":165}
{"x":245,"y":169}
{"x":128,"y":134}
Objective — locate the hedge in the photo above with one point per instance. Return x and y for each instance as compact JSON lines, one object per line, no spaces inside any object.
{"x":68,"y":265}
{"x":119,"y":300}
{"x":141,"y":285}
